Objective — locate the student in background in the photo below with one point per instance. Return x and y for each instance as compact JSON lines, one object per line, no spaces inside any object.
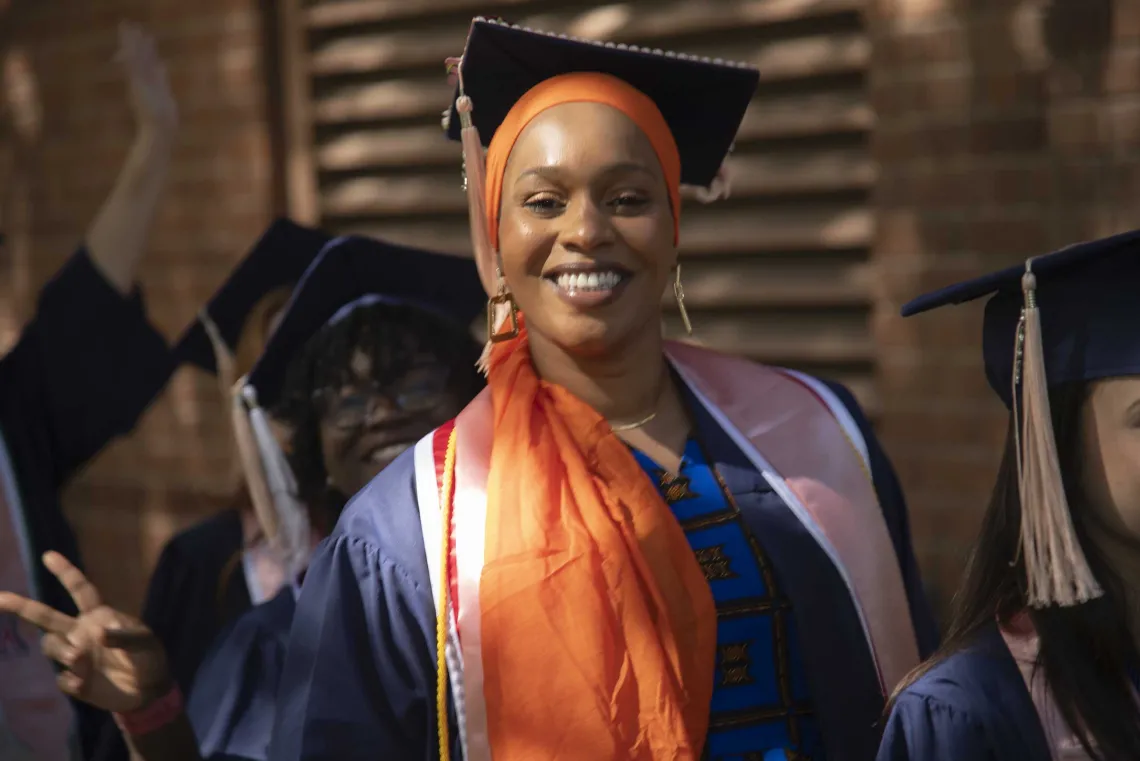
{"x":372,"y":353}
{"x":84,"y":369}
{"x":1041,"y":659}
{"x":211,"y":573}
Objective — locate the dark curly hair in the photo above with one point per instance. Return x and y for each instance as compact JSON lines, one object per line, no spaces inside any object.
{"x":392,"y":336}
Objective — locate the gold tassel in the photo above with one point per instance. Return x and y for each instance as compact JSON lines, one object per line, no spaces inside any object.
{"x":1057,"y":572}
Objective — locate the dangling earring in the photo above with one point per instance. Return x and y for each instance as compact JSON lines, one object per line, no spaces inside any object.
{"x":503,"y":297}
{"x":679,"y":295}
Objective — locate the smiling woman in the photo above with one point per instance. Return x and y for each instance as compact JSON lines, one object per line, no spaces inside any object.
{"x":623,"y":548}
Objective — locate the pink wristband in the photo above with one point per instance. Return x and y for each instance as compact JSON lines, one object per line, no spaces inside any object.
{"x":154,"y":716}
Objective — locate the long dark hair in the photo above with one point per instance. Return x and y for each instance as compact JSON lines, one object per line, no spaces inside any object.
{"x":1086,"y":651}
{"x":391,"y":335}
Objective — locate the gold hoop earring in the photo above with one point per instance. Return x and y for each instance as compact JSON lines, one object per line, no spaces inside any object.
{"x":679,"y":295}
{"x":503,"y":297}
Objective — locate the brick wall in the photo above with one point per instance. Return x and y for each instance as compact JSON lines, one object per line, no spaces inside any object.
{"x":1004,"y":129}
{"x":57,"y":166}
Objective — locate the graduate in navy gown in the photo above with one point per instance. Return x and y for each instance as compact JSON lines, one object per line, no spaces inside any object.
{"x":625,"y":548}
{"x":372,"y":353}
{"x":1041,"y":656}
{"x":216,"y":570}
{"x":83,"y":370}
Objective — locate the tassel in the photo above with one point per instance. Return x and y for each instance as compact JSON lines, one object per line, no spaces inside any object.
{"x":1056,"y":569}
{"x":251,"y":465}
{"x":474,"y":168}
{"x":720,"y":189}
{"x":474,"y":183}
{"x":293,"y":532}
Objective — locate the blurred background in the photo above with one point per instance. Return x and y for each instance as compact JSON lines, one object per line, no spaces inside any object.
{"x":893,"y":146}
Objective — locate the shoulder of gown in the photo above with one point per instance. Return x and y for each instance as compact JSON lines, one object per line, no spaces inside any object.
{"x":971,"y":705}
{"x":895,"y":513}
{"x":190,"y":599}
{"x":232,"y":703}
{"x":359,"y":676}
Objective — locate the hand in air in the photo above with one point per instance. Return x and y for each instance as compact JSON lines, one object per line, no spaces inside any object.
{"x":152,"y":101}
{"x":111,"y":660}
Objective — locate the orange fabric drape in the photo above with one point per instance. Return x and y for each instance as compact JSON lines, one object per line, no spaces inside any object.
{"x":598,"y":626}
{"x":582,"y":87}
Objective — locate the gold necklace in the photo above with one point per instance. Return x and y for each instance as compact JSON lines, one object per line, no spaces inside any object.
{"x":631,"y":426}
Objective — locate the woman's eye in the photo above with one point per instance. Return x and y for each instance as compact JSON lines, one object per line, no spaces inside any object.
{"x":543,"y":204}
{"x":629,"y":201}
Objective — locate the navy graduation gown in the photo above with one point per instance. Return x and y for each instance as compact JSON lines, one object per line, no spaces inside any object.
{"x":85,"y":368}
{"x":232,"y":704}
{"x":359,"y":675}
{"x":197,"y":589}
{"x":973,"y":705}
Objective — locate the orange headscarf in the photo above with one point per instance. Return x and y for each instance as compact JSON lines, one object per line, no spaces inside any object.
{"x":598,"y":626}
{"x":582,"y":87}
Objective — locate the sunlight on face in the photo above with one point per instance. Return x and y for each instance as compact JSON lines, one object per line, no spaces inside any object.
{"x":586,"y":231}
{"x":1111,"y":446}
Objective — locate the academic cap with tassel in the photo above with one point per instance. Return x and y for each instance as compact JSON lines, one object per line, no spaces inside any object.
{"x":1072,"y":315}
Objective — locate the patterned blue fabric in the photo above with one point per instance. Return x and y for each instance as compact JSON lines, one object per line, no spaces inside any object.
{"x":761,"y":706}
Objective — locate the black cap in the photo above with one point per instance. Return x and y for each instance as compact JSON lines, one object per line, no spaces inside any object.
{"x":703,"y":100}
{"x":1087,"y":300}
{"x":278,"y":259}
{"x":355,"y":271}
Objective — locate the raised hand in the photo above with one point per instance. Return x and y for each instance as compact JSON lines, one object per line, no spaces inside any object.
{"x":111,"y":660}
{"x":151,"y":98}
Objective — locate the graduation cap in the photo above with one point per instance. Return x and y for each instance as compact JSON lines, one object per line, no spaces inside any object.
{"x":354,"y":271}
{"x":1071,"y":315}
{"x":278,"y":259}
{"x":349,"y":273}
{"x":703,"y":100}
{"x":1088,"y":308}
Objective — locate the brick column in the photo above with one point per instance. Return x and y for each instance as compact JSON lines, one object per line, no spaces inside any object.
{"x":176,"y":467}
{"x":1004,"y":129}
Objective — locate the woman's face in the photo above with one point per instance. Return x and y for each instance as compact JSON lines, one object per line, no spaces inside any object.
{"x":364,"y":426}
{"x":1111,"y":448}
{"x":585,"y":229}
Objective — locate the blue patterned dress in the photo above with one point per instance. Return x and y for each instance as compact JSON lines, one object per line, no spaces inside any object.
{"x":761,"y":707}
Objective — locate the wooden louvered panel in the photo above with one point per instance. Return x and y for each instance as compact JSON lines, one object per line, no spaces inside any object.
{"x":697,"y":16}
{"x":704,"y":231}
{"x":779,"y":272}
{"x":754,"y":176}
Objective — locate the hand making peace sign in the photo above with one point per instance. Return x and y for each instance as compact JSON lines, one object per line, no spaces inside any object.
{"x":111,"y":660}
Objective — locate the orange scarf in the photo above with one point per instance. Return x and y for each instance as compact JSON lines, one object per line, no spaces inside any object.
{"x":598,"y":626}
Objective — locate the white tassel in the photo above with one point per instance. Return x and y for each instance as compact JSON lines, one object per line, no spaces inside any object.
{"x":293,"y":539}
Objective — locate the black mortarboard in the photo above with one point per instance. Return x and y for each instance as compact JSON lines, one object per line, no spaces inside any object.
{"x":352,"y":269}
{"x":703,"y":100}
{"x":1087,"y":300}
{"x":278,"y":259}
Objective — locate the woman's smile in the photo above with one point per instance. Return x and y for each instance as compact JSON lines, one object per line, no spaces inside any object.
{"x":584,"y":285}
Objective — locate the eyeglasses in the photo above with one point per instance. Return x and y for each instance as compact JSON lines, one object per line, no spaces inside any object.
{"x":420,"y":391}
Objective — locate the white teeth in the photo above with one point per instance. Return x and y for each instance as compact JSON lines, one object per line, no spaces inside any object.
{"x":588,"y":281}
